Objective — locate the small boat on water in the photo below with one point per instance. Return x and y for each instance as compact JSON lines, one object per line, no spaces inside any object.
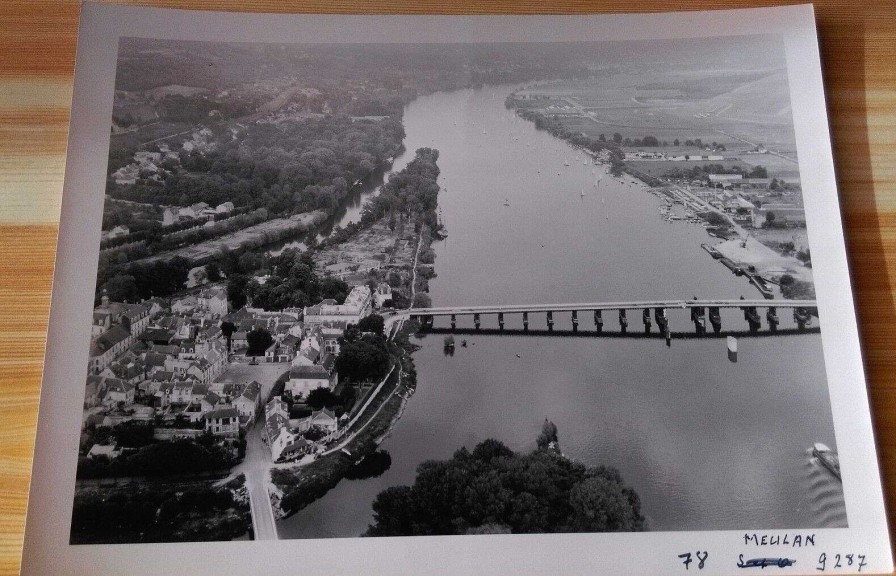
{"x":712,"y":251}
{"x":828,"y":459}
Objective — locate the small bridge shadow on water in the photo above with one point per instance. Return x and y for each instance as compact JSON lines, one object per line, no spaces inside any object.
{"x":616,"y":334}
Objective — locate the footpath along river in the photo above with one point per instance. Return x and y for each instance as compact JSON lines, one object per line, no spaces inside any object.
{"x":708,"y":444}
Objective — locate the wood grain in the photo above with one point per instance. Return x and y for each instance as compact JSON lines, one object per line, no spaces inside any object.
{"x":37,"y":50}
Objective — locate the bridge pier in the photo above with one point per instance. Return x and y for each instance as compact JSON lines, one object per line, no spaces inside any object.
{"x":575,"y":321}
{"x":801,"y":317}
{"x":699,"y":320}
{"x":752,"y":318}
{"x":550,"y":320}
{"x":476,"y":320}
{"x":623,"y":321}
{"x":453,"y":321}
{"x":772,"y":317}
{"x":525,"y":321}
{"x":646,"y":319}
{"x":715,"y":319}
{"x":598,"y":321}
{"x":501,"y":320}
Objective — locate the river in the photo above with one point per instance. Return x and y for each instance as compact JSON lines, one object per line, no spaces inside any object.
{"x":708,"y":444}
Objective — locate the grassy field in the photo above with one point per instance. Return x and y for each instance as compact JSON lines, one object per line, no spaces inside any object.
{"x":660,"y":167}
{"x":776,"y":166}
{"x":594,"y":128}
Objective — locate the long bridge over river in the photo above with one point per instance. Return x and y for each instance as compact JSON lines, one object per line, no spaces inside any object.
{"x":651,"y":312}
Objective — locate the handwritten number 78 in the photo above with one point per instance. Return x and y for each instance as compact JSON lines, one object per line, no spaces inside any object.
{"x":687,"y":559}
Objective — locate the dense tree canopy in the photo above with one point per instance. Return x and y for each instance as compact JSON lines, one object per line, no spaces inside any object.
{"x":363,"y":359}
{"x":259,"y":340}
{"x":296,"y":166}
{"x":494,"y":490}
{"x":372,"y":323}
{"x":294,"y":283}
{"x":411,"y":193}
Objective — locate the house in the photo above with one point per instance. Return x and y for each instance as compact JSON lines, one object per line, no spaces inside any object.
{"x":105,"y":347}
{"x":110,"y":451}
{"x":304,"y":379}
{"x":357,"y":305}
{"x":277,"y":430}
{"x":788,"y":213}
{"x":330,"y":339}
{"x":725,"y":179}
{"x":224,"y":208}
{"x":182,"y":393}
{"x":118,"y":392}
{"x":324,"y":419}
{"x":170,"y":216}
{"x":223,"y":422}
{"x":280,"y":436}
{"x":307,"y":357}
{"x":214,"y":301}
{"x":185,"y":305}
{"x":92,"y":391}
{"x":117,"y":232}
{"x":238,"y":340}
{"x":296,"y":449}
{"x":249,"y":402}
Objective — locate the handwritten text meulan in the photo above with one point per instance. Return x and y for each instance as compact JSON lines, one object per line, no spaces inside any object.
{"x":786,"y":539}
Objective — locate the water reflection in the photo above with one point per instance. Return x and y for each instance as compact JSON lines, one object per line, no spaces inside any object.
{"x":371,"y":466}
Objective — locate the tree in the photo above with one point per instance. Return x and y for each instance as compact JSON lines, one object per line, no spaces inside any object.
{"x":122,"y":288}
{"x":321,"y":398}
{"x":227,"y":329}
{"x":548,"y":435}
{"x":372,"y":323}
{"x":213,"y":271}
{"x":236,"y":290}
{"x":602,"y":505}
{"x":494,"y":490}
{"x":363,"y":360}
{"x":259,"y":340}
{"x":602,"y":138}
{"x":422,"y":300}
{"x":617,"y":137}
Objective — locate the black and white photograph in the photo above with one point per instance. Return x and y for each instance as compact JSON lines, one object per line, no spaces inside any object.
{"x":461,"y":288}
{"x":398,"y":290}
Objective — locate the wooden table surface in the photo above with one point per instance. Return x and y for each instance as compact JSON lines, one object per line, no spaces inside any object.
{"x":37,"y":50}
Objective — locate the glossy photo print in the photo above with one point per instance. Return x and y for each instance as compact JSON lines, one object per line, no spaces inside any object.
{"x":494,"y":290}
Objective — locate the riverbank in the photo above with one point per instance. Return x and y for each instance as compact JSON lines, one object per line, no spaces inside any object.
{"x":293,"y":487}
{"x":391,"y":244}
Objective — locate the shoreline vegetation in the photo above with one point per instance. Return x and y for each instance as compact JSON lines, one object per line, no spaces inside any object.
{"x":494,"y":490}
{"x":408,"y":199}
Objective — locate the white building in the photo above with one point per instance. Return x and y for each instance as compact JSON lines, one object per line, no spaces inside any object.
{"x":358,"y":304}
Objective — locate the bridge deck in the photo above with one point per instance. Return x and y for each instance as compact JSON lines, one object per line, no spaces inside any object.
{"x":589,"y":306}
